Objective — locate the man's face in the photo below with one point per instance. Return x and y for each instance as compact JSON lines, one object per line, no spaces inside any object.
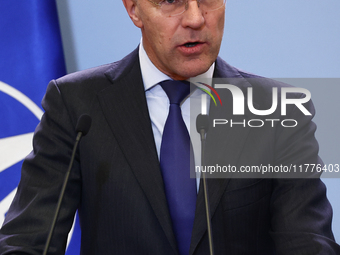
{"x":182,"y":46}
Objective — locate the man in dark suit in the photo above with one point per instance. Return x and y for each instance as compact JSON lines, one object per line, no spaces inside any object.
{"x":116,"y":182}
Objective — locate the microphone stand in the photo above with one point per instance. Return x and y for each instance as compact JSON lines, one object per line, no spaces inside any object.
{"x":82,"y":128}
{"x":202,"y":125}
{"x":62,"y":192}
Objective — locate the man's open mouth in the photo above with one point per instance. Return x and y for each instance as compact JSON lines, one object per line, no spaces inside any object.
{"x":191,"y":44}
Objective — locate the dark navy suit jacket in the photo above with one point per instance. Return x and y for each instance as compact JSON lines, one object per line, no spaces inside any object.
{"x":116,"y":183}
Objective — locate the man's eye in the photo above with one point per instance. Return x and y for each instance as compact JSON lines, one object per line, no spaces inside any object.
{"x":171,"y":1}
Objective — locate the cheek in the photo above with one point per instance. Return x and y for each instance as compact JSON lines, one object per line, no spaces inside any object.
{"x":216,"y":22}
{"x":164,"y":38}
{"x":219,"y":24}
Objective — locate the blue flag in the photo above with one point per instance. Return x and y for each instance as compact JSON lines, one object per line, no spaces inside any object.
{"x":30,"y":56}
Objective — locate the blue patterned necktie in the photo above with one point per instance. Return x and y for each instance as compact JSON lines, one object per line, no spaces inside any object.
{"x":176,"y":157}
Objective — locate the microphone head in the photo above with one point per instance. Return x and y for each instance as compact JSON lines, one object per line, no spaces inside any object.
{"x":84,"y":124}
{"x":202,"y":122}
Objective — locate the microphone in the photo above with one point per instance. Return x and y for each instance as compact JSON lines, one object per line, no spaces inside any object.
{"x":83,"y":124}
{"x":82,"y":128}
{"x":202,"y":127}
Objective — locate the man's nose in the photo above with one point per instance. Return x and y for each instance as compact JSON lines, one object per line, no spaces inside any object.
{"x":193,"y":16}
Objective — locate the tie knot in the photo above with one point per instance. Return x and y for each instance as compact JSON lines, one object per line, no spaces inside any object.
{"x":176,"y":90}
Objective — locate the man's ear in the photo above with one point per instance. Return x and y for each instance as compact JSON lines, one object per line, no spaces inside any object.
{"x":131,"y":7}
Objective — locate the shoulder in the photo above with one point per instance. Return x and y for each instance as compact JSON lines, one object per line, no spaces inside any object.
{"x":244,"y":79}
{"x":99,"y":77}
{"x":79,"y":92}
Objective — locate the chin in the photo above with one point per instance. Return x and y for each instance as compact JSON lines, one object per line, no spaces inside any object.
{"x":195,"y":72}
{"x":190,"y":69}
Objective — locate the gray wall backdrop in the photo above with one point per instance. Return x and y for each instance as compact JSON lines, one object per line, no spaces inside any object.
{"x":276,"y":39}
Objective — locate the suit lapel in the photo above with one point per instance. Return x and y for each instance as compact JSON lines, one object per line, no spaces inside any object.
{"x":125,"y":108}
{"x":223,"y":146}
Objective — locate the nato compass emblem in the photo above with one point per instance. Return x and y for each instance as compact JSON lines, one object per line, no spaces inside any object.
{"x":19,"y":116}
